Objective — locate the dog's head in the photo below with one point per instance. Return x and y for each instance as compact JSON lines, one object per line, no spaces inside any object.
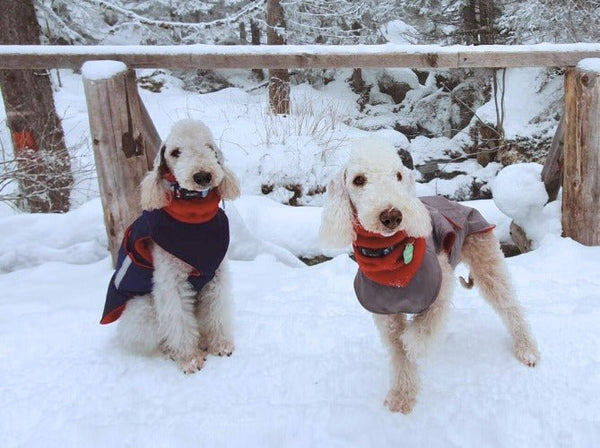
{"x":377,"y":191}
{"x":190,"y":154}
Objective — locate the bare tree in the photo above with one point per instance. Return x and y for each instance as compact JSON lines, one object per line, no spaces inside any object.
{"x":44,"y":168}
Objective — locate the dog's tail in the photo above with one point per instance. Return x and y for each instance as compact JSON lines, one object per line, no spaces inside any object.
{"x":468,"y":284}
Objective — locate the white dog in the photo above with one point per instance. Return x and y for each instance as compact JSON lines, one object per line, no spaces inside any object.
{"x":170,"y":290}
{"x":406,"y":249}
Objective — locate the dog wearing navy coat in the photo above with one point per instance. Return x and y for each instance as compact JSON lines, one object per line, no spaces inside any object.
{"x":170,"y":291}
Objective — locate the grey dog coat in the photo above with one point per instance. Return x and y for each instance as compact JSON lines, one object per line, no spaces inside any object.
{"x":451,"y":223}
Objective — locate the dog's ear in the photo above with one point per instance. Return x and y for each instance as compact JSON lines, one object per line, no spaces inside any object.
{"x":336,"y":220}
{"x":229,"y":186}
{"x":154,"y":193}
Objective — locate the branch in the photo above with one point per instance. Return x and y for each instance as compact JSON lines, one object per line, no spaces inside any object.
{"x":171,"y":25}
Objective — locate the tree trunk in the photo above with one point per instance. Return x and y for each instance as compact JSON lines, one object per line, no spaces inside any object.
{"x":255,"y":33}
{"x":45,"y":178}
{"x":581,"y":157}
{"x":279,"y":79}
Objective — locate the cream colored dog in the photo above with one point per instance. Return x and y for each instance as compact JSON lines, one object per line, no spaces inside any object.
{"x":375,"y":194}
{"x":186,"y":313}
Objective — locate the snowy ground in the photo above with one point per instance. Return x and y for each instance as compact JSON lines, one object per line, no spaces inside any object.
{"x":308,"y":370}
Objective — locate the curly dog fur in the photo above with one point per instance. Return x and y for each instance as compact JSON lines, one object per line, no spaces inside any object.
{"x":389,"y":185}
{"x":175,"y":319}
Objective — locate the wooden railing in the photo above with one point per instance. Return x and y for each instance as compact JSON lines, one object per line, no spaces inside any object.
{"x":124,"y":138}
{"x":300,"y":56}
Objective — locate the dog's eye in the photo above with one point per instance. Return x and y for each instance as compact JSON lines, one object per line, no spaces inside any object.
{"x":399,"y":176}
{"x":359,"y":180}
{"x":176,"y":152}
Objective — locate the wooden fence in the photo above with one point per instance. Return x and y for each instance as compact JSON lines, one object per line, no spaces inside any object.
{"x":125,"y":140}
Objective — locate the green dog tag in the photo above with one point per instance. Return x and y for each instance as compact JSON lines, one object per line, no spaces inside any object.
{"x":408,"y":253}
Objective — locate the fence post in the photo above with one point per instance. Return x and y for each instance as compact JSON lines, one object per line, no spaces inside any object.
{"x":279,"y":79}
{"x":124,"y":142}
{"x":581,"y":162}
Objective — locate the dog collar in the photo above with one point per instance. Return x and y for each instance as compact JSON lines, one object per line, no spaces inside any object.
{"x":407,"y":253}
{"x":183,"y":193}
{"x":376,"y":253}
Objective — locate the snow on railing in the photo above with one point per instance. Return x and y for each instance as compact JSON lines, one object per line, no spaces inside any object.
{"x":299,"y":56}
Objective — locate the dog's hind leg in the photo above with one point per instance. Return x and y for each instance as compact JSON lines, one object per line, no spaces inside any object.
{"x":426,"y":327}
{"x":488,"y":267}
{"x":214,"y":314}
{"x":402,"y":395}
{"x":137,"y":328}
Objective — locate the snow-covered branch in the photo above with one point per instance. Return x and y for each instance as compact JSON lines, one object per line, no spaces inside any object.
{"x":171,"y":25}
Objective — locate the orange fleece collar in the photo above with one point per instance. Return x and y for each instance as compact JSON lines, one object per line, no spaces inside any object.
{"x":392,"y":260}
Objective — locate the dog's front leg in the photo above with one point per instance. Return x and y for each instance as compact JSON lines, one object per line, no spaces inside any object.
{"x":214,"y":314}
{"x":402,"y":395}
{"x":174,"y":301}
{"x":426,"y":327}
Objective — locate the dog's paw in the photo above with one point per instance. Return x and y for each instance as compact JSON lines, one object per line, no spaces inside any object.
{"x":400,"y":401}
{"x":221,"y":348}
{"x":528,"y":354}
{"x":192,"y":364}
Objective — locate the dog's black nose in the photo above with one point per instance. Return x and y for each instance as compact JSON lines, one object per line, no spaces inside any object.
{"x":202,"y":178}
{"x":391,"y":218}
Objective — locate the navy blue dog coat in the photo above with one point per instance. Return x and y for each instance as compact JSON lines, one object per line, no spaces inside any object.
{"x":201,"y":245}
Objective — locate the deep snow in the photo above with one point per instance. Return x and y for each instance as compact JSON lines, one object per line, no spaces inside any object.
{"x":309,"y":369}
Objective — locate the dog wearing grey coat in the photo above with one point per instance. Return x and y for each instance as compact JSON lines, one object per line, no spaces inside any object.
{"x":373,"y":200}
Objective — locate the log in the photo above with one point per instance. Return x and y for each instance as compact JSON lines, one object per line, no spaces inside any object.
{"x":125,"y":143}
{"x":519,"y":237}
{"x":581,"y":164}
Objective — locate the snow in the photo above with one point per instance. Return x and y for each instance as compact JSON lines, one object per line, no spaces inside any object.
{"x":309,"y":368}
{"x":528,"y":95}
{"x":200,"y":49}
{"x":519,"y":192}
{"x":399,"y":32}
{"x":589,"y":64}
{"x":97,"y":70}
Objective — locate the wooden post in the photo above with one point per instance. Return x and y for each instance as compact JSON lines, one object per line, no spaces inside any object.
{"x":125,"y":143}
{"x":279,"y":79}
{"x":581,"y":160}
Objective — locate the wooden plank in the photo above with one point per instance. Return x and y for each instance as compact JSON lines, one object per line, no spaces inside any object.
{"x":299,"y":56}
{"x":581,"y":165}
{"x":552,"y":171}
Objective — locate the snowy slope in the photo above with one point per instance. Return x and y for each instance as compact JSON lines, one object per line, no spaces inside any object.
{"x":308,"y":369}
